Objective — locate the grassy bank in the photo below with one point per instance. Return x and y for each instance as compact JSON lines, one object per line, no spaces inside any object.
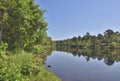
{"x":23,"y":66}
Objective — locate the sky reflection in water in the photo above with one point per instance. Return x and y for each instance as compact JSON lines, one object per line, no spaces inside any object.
{"x":74,"y":68}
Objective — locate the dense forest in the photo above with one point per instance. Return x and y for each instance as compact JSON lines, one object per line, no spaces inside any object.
{"x":108,"y":40}
{"x":23,"y":42}
{"x":22,"y":24}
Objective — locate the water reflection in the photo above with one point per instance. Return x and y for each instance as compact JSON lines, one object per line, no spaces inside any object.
{"x":74,"y":68}
{"x":109,"y":56}
{"x":71,"y":64}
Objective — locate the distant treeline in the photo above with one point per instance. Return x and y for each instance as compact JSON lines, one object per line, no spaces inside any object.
{"x":108,"y":40}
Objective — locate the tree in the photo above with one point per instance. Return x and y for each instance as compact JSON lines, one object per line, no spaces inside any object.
{"x":22,"y":23}
{"x":108,"y":33}
{"x":99,"y":36}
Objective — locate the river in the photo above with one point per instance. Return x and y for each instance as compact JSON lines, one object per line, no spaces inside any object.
{"x":77,"y":66}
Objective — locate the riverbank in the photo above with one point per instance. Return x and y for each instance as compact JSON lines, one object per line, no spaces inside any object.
{"x":24,"y":66}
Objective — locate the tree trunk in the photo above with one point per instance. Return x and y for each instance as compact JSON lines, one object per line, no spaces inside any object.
{"x":1,"y":33}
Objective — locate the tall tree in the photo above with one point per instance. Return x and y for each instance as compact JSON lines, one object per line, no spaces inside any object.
{"x":22,"y":23}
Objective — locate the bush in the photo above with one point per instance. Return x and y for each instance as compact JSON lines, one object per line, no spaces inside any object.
{"x":18,"y":67}
{"x":3,"y":47}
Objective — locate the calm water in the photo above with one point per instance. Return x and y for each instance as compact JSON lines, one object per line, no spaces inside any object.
{"x":71,"y":67}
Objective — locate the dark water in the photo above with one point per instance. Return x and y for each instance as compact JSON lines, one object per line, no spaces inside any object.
{"x":81,"y":67}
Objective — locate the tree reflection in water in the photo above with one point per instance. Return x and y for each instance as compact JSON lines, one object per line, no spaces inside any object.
{"x":110,"y":56}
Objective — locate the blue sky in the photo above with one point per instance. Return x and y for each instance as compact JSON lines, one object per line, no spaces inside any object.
{"x":68,"y":18}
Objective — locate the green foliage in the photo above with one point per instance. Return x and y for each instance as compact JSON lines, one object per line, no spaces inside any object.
{"x":24,"y":67}
{"x":108,"y":40}
{"x":22,"y":27}
{"x":15,"y":67}
{"x":3,"y":47}
{"x":22,"y":23}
